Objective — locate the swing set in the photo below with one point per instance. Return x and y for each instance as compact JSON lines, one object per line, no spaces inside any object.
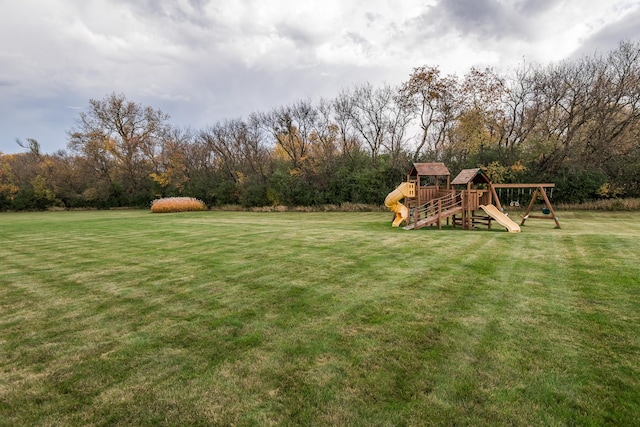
{"x":539,"y":190}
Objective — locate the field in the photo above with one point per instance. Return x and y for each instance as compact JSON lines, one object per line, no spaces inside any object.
{"x":240,"y":318}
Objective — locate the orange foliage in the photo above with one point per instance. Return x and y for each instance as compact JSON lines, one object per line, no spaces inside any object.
{"x":177,"y":204}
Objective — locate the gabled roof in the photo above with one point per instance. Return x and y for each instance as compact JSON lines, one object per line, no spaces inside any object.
{"x":471,"y":175}
{"x":429,"y":169}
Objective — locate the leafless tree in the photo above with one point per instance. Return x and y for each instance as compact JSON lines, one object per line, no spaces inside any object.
{"x":116,"y":131}
{"x":434,"y":100}
{"x":342,"y":117}
{"x":369,"y":115}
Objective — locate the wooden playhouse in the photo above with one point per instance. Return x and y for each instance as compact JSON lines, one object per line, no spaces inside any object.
{"x":431,"y":198}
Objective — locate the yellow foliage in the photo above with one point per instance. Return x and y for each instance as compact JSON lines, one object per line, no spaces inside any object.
{"x":496,"y":172}
{"x":472,"y":132}
{"x":607,"y":190}
{"x":280,"y":153}
{"x":163,"y":179}
{"x":518,"y":167}
{"x":9,"y":189}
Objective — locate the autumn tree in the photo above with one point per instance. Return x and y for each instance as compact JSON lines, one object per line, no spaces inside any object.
{"x":479,"y":123}
{"x":435,"y":101}
{"x":121,"y":138}
{"x":27,"y":180}
{"x":171,"y":171}
{"x":8,"y":186}
{"x":291,"y":127}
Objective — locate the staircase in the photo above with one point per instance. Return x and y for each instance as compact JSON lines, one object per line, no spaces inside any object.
{"x":434,"y":211}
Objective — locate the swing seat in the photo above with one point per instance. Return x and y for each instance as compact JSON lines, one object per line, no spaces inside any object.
{"x":546,"y":211}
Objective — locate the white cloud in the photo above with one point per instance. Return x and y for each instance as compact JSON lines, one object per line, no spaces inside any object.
{"x":201,"y":60}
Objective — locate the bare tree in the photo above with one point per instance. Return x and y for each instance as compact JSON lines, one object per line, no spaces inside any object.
{"x":369,"y":115}
{"x":435,"y":101}
{"x":284,"y":125}
{"x":325,"y":133}
{"x":342,"y":114}
{"x":238,"y":148}
{"x":522,"y":109}
{"x":114,"y":130}
{"x":224,"y":139}
{"x":616,"y":93}
{"x":568,"y":108}
{"x":256,"y":151}
{"x":399,"y":117}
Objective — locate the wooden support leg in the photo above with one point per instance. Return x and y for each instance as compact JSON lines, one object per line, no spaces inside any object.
{"x":496,"y":198}
{"x":531,"y":203}
{"x":548,"y":203}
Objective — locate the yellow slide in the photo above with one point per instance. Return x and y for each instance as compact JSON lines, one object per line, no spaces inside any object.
{"x":392,"y":201}
{"x":502,"y":219}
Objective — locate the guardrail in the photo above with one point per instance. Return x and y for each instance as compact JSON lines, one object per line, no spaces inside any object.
{"x":435,"y":208}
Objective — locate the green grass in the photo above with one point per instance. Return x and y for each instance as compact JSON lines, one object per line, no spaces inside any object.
{"x":235,"y":318}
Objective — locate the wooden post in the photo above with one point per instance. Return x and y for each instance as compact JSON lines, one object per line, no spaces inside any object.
{"x":419,"y":191}
{"x":495,"y":196}
{"x":469,"y":224}
{"x":531,"y":203}
{"x":548,"y":203}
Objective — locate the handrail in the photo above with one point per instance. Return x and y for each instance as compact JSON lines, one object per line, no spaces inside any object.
{"x":437,"y":206}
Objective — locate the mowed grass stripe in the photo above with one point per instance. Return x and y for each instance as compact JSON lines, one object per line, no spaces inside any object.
{"x":128,"y":317}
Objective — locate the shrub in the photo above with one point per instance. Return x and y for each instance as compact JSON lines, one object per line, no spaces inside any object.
{"x":629,"y":204}
{"x":177,"y":204}
{"x":578,"y":186}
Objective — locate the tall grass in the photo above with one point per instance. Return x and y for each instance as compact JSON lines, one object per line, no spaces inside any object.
{"x":286,"y":318}
{"x":630,"y":204}
{"x":177,"y":204}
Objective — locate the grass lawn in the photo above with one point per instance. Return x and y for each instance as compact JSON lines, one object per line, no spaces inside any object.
{"x":236,"y":318}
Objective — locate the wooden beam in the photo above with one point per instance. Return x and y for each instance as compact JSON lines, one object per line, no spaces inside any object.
{"x":524,"y":185}
{"x":548,"y":203}
{"x":531,"y":203}
{"x":495,"y":196}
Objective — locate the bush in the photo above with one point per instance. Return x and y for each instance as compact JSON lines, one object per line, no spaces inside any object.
{"x":578,"y":186}
{"x":177,"y":204}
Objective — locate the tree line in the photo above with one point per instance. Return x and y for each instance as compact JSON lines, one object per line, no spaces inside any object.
{"x":575,"y":123}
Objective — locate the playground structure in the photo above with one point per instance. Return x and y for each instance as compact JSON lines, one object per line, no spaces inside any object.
{"x":431,"y":198}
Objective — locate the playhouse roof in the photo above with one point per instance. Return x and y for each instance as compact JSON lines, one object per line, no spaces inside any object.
{"x":471,"y":175}
{"x":429,"y":169}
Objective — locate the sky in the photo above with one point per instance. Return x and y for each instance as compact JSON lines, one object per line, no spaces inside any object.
{"x":204,"y":61}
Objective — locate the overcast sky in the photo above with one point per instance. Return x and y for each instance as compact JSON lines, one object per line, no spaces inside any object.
{"x":202,"y":61}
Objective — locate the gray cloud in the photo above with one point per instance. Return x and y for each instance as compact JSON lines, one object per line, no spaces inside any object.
{"x":535,"y":7}
{"x":192,"y":13}
{"x":202,"y":61}
{"x":485,"y":18}
{"x":297,"y":33}
{"x":608,"y":37}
